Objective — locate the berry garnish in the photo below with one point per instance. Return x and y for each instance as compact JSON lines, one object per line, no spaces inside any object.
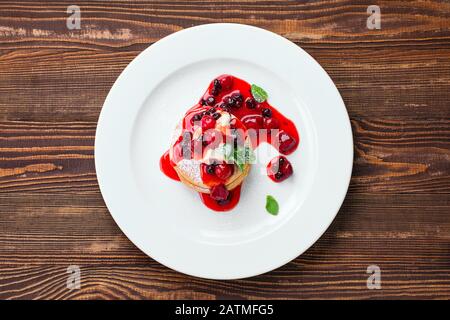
{"x":233,"y":100}
{"x":210,"y":169}
{"x":223,"y":106}
{"x":210,"y":101}
{"x":217,"y":87}
{"x":226,"y":82}
{"x":223,"y":171}
{"x":207,"y":168}
{"x":266,"y":112}
{"x":208,"y":122}
{"x":250,"y":103}
{"x":279,"y":169}
{"x":216,"y":115}
{"x":229,"y":101}
{"x":195,"y":118}
{"x":219,"y":192}
{"x":237,"y":98}
{"x":286,"y":143}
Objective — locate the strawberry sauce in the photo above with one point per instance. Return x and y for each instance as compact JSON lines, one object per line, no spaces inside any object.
{"x":166,"y":167}
{"x":252,"y":114}
{"x":225,"y":205}
{"x":260,"y":121}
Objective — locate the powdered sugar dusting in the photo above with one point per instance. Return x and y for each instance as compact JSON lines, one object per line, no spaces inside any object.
{"x":191,"y":168}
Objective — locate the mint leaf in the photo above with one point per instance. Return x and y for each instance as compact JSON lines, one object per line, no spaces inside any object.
{"x":258,"y":93}
{"x":241,"y":166}
{"x":243,"y":155}
{"x":272,"y":205}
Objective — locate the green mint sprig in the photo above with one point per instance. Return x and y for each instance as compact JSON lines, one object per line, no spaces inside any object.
{"x":272,"y":205}
{"x":258,"y":93}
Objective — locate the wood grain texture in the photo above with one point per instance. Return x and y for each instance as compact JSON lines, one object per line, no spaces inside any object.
{"x":395,"y":83}
{"x":44,"y":64}
{"x":386,"y":82}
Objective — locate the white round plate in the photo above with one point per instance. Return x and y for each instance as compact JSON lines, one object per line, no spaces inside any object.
{"x":167,"y":220}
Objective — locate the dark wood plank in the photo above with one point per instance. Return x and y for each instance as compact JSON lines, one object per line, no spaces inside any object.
{"x":401,"y":156}
{"x":396,"y":86}
{"x":71,"y":85}
{"x":125,"y":23}
{"x":402,"y":69}
{"x":407,"y":236}
{"x":40,"y":156}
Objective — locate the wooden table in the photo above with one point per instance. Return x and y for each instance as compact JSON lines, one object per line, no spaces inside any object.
{"x":395,"y":82}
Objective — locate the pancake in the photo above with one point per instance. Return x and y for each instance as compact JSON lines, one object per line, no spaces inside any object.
{"x":188,"y":170}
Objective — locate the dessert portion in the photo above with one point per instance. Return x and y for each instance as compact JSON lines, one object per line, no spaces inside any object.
{"x":212,"y":149}
{"x":279,"y":169}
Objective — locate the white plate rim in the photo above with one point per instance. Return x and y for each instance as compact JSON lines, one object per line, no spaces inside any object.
{"x":108,"y":184}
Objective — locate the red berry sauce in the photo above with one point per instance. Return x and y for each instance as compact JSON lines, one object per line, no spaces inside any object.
{"x":230,"y":203}
{"x":166,"y":166}
{"x":279,"y":169}
{"x":238,"y":100}
{"x":233,"y":95}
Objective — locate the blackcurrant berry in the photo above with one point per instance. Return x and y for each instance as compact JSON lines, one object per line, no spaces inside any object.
{"x":266,"y":112}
